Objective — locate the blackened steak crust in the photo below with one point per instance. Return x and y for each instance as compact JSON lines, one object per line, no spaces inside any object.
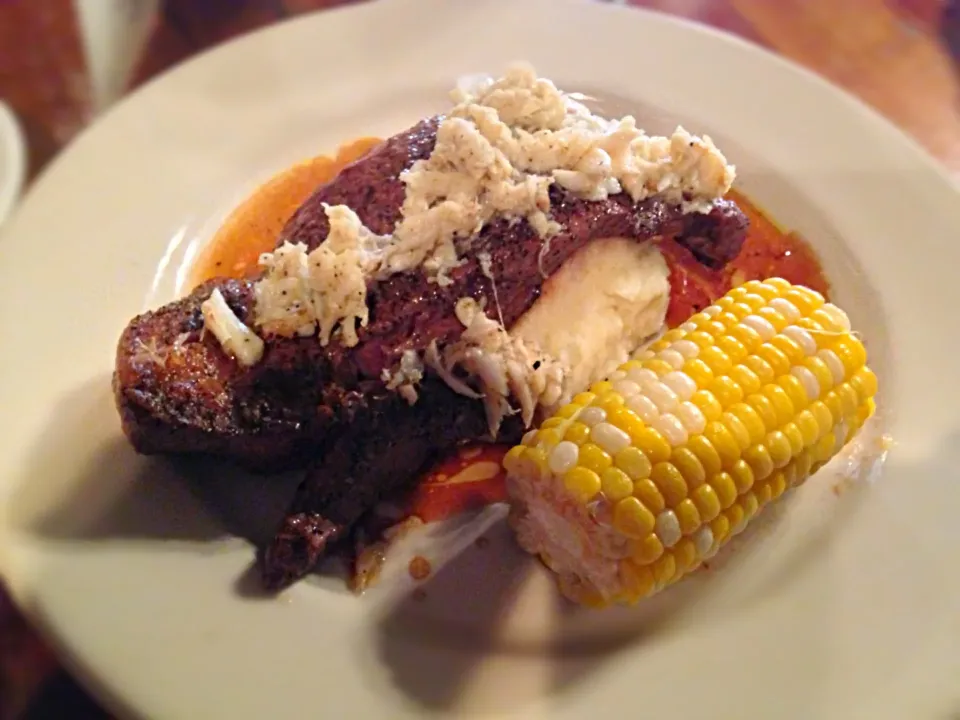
{"x":304,"y":404}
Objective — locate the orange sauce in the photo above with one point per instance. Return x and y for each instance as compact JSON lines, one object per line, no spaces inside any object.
{"x":254,"y":226}
{"x":473,"y":477}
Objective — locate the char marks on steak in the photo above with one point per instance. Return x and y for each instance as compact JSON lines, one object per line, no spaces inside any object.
{"x":326,"y":408}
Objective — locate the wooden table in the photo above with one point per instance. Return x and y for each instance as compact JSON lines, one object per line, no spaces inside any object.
{"x":901,"y":56}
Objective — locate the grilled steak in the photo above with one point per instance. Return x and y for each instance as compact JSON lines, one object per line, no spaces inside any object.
{"x":327,"y":407}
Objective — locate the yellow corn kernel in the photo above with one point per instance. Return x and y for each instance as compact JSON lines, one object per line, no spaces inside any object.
{"x":823,"y":450}
{"x":781,"y":481}
{"x":637,"y":582}
{"x":795,"y":391}
{"x":824,"y":417}
{"x":723,"y":442}
{"x":742,"y":476}
{"x":765,"y":409}
{"x":717,"y":359}
{"x":764,"y":492}
{"x":781,"y":403}
{"x":664,"y":569}
{"x":669,"y":482}
{"x":512,"y":459}
{"x":553,"y":422}
{"x":759,"y":460}
{"x":737,"y":429}
{"x":653,"y":444}
{"x":685,"y":554}
{"x":661,"y":344}
{"x":708,"y":404}
{"x":720,"y":526}
{"x":647,"y":492}
{"x":746,"y":378}
{"x":751,"y":421}
{"x":809,"y":427}
{"x":609,"y":402}
{"x":849,"y":401}
{"x":698,"y":371}
{"x":735,"y":516}
{"x":688,"y":516}
{"x":832,"y":401}
{"x":707,"y":502}
{"x":583,"y":399}
{"x":729,"y":320}
{"x":715,"y":328}
{"x":733,"y":348}
{"x":767,"y":292}
{"x":794,"y":437}
{"x":626,"y":420}
{"x":615,"y":484}
{"x":632,"y":365}
{"x":778,"y":321}
{"x":779,"y":362}
{"x":750,"y":505}
{"x":747,"y":336}
{"x":779,"y":448}
{"x":864,"y":381}
{"x":549,"y":437}
{"x":706,"y":453}
{"x":821,"y":372}
{"x":577,"y":433}
{"x":658,"y":366}
{"x":582,"y":483}
{"x":753,"y":300}
{"x":593,"y":458}
{"x":726,"y":391}
{"x":851,"y":353}
{"x":725,"y":488}
{"x":803,"y":463}
{"x":689,"y":466}
{"x":805,"y":303}
{"x":568,"y":411}
{"x":600,"y":388}
{"x":632,"y":519}
{"x":701,"y":338}
{"x":633,"y":462}
{"x":761,"y":368}
{"x":647,"y":550}
{"x":790,"y":348}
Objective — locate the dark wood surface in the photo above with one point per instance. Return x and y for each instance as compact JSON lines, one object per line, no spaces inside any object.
{"x":898,"y":55}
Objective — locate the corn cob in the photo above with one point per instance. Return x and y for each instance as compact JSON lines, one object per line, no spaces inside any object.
{"x":635,"y":483}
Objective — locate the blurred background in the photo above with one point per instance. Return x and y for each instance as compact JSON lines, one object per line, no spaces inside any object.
{"x":64,"y":62}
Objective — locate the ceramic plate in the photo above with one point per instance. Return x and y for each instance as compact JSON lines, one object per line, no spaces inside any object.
{"x":13,"y":161}
{"x":841,"y":605}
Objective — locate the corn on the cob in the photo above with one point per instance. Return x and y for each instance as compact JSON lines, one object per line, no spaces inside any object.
{"x":638,"y":481}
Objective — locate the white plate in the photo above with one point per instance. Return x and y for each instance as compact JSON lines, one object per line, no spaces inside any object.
{"x":850,"y":607}
{"x":13,"y":161}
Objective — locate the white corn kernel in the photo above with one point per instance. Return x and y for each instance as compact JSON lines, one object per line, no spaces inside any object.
{"x":672,"y":429}
{"x":672,"y":358}
{"x":563,"y":457}
{"x":667,"y":528}
{"x":663,"y":397}
{"x":644,"y":408}
{"x":626,"y":388}
{"x":833,"y":362}
{"x":809,"y":380}
{"x":786,"y":308}
{"x":687,"y":348}
{"x":609,"y":437}
{"x":762,"y":326}
{"x":802,"y":338}
{"x":703,"y":541}
{"x":681,"y":383}
{"x":590,"y":416}
{"x":692,"y":418}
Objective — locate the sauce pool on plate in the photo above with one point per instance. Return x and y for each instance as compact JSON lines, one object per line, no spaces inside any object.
{"x":473,"y":477}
